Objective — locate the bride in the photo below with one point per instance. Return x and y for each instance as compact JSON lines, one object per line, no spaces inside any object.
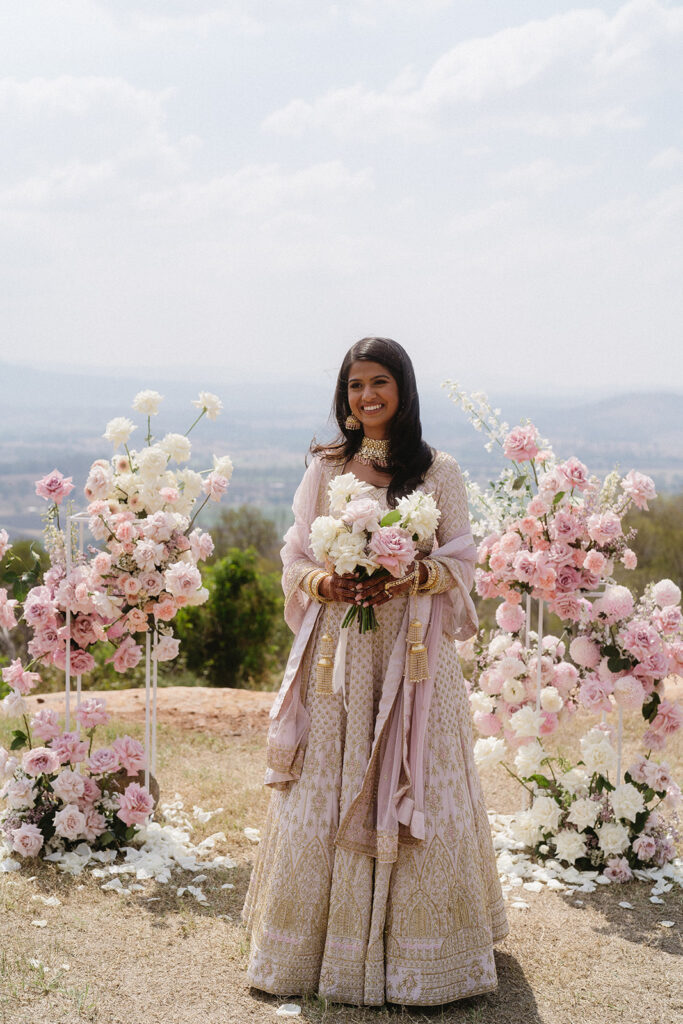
{"x":375,"y":879}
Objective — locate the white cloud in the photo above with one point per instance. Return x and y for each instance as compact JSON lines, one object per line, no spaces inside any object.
{"x":669,"y":159}
{"x":539,"y":176}
{"x":574,"y":65}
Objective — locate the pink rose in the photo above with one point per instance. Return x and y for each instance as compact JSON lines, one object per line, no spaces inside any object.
{"x":537,"y":507}
{"x":91,"y":713}
{"x":665,"y":851}
{"x":80,"y":661}
{"x":69,"y":822}
{"x":82,"y":630}
{"x":618,"y":870}
{"x":629,"y":559}
{"x":104,"y":761}
{"x":215,"y":486}
{"x":566,"y":606}
{"x":510,"y":542}
{"x":201,"y":545}
{"x":68,"y":786}
{"x":487,"y":723}
{"x":136,"y":621}
{"x":7,"y":606}
{"x":640,"y":639}
{"x":131,"y":754}
{"x":69,"y":748}
{"x":668,"y":620}
{"x":45,"y":725}
{"x":654,"y":740}
{"x":521,"y":444}
{"x":568,"y":579}
{"x":575,"y":473}
{"x":131,"y":587}
{"x":40,"y":761}
{"x":19,"y":678}
{"x":38,"y":607}
{"x":182,"y":579}
{"x":27,"y":840}
{"x":54,"y":487}
{"x":91,"y":793}
{"x":166,"y":649}
{"x":100,"y":481}
{"x":524,"y":566}
{"x":565,"y":526}
{"x":549,"y":723}
{"x":127,"y":655}
{"x":603,"y":528}
{"x":393,"y":549}
{"x":594,"y":695}
{"x":676,"y":657}
{"x":94,"y":824}
{"x":135,"y":805}
{"x":644,"y":847}
{"x":640,"y":488}
{"x":165,"y":609}
{"x":668,"y":719}
{"x":362,"y":514}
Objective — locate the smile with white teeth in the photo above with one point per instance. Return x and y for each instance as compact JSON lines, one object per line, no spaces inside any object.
{"x":371,"y":408}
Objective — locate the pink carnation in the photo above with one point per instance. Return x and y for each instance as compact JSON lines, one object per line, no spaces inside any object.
{"x":135,"y":805}
{"x":54,"y":487}
{"x":510,"y":617}
{"x":585,"y":652}
{"x":91,"y":713}
{"x":521,"y":444}
{"x":27,"y":840}
{"x":40,"y":761}
{"x":131,"y":754}
{"x":618,"y":870}
{"x":629,"y":559}
{"x":70,"y":748}
{"x":640,"y":488}
{"x":595,"y":562}
{"x":45,"y":724}
{"x":393,"y":549}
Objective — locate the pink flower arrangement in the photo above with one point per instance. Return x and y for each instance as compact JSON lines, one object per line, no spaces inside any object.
{"x":54,"y":487}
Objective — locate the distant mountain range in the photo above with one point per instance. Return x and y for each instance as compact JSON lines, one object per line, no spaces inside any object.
{"x":56,"y":419}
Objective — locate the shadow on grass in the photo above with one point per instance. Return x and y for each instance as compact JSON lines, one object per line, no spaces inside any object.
{"x":641,"y":924}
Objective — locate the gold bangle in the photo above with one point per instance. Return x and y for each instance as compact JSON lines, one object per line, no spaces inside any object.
{"x":314,"y":587}
{"x":432,"y":580}
{"x":402,"y":579}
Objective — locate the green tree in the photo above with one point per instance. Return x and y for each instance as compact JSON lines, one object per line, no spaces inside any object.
{"x":658,"y":543}
{"x":245,"y":526}
{"x":238,"y":638}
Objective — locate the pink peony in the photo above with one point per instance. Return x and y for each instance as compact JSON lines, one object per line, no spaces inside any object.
{"x":68,"y":786}
{"x":27,"y":840}
{"x":40,"y":761}
{"x":45,"y":724}
{"x":70,"y":748}
{"x":131,"y":754}
{"x":91,"y":713}
{"x":104,"y":761}
{"x":393,"y":549}
{"x":135,"y":805}
{"x":510,"y":617}
{"x":644,"y":847}
{"x":127,"y":655}
{"x":215,"y":486}
{"x":521,"y":444}
{"x":69,"y":822}
{"x":54,"y":487}
{"x":640,"y":488}
{"x":618,"y":870}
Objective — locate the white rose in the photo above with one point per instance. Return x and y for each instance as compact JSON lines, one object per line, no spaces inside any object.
{"x":166,"y":649}
{"x":489,"y":752}
{"x":525,"y":829}
{"x":191,"y":483}
{"x":481,"y":702}
{"x":551,"y":700}
{"x":598,"y":755}
{"x":119,"y":430}
{"x":569,"y":846}
{"x":347,"y":552}
{"x":583,"y":813}
{"x":528,"y":759}
{"x":513,"y":691}
{"x":526,"y":721}
{"x":324,"y":532}
{"x":575,"y":781}
{"x":177,"y":447}
{"x":419,"y":514}
{"x":13,"y":705}
{"x":223,"y":465}
{"x":19,"y":793}
{"x":200,"y":596}
{"x":612,"y":838}
{"x":545,"y":813}
{"x":147,"y":402}
{"x":209,"y":402}
{"x":151,"y":462}
{"x":511,"y":668}
{"x":343,"y":488}
{"x":626,"y":801}
{"x":499,"y":644}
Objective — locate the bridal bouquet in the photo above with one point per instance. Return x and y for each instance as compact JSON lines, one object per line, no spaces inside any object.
{"x":358,"y":538}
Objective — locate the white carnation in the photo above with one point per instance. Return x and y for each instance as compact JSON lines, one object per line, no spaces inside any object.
{"x":147,"y":402}
{"x":151,"y":462}
{"x":546,"y":813}
{"x":526,"y":721}
{"x":481,"y":702}
{"x":626,"y":801}
{"x":513,"y":691}
{"x":419,"y":514}
{"x":499,"y":644}
{"x":177,"y":447}
{"x":343,"y":488}
{"x":191,"y":483}
{"x":583,"y":813}
{"x":551,"y":699}
{"x":13,"y":705}
{"x":119,"y":430}
{"x":612,"y":838}
{"x":223,"y":464}
{"x":575,"y":781}
{"x":324,"y":531}
{"x":569,"y":846}
{"x":489,"y":752}
{"x":209,"y":403}
{"x":528,"y":759}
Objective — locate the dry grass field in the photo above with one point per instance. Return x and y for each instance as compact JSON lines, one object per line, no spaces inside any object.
{"x":158,"y":958}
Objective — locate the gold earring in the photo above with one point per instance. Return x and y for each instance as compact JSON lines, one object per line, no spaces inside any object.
{"x":352,"y":422}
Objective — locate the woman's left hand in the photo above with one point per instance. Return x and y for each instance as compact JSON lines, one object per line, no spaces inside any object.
{"x":372,"y":593}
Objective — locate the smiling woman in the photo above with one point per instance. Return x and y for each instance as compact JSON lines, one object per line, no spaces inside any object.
{"x":376,"y":879}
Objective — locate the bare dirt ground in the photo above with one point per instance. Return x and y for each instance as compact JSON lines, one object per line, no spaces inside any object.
{"x":158,"y":958}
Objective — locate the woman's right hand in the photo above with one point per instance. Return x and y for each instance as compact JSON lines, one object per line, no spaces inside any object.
{"x":339,"y":588}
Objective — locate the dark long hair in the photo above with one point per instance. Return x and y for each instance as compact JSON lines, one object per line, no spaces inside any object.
{"x":410,"y":456}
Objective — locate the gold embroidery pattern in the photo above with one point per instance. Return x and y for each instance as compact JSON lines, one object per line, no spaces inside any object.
{"x":356,"y":928}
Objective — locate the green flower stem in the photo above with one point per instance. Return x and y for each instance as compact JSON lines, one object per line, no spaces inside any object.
{"x":197,"y":513}
{"x":193,"y":425}
{"x":28,"y":732}
{"x":522,"y":784}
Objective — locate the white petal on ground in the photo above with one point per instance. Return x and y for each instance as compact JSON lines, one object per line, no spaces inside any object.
{"x":253,"y":834}
{"x":288,"y":1010}
{"x":519,"y":905}
{"x":39,"y":924}
{"x":626,"y":905}
{"x":667,"y":924}
{"x":655,"y":899}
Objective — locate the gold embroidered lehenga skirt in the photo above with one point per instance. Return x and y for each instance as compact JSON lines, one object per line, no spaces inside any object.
{"x":323,"y":919}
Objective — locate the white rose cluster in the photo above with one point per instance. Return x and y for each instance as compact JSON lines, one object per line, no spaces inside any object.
{"x":627,"y":801}
{"x":583,"y":813}
{"x":343,"y":488}
{"x":546,"y":813}
{"x":526,"y":722}
{"x":599,"y":756}
{"x":489,"y":752}
{"x":569,"y":846}
{"x":419,"y":514}
{"x":324,"y":531}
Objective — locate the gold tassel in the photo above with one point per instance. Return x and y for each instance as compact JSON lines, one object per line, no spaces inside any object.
{"x":325,"y":666}
{"x":418,"y":664}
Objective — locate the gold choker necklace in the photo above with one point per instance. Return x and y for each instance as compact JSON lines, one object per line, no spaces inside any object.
{"x":373,"y":452}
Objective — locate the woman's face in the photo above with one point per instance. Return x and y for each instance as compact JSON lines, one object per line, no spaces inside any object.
{"x":373,"y":397}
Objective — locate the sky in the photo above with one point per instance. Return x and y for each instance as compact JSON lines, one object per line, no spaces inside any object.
{"x":246,"y":188}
